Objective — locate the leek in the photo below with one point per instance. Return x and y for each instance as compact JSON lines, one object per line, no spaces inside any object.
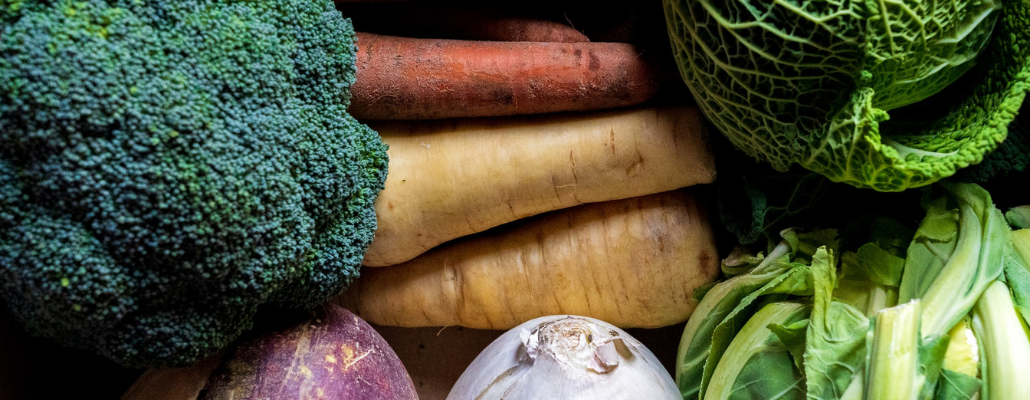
{"x":1004,"y":345}
{"x":893,"y":359}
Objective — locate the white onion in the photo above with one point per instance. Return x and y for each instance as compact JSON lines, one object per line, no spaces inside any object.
{"x":565,"y":357}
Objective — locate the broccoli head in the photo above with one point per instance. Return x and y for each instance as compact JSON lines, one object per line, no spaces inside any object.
{"x":168,"y":167}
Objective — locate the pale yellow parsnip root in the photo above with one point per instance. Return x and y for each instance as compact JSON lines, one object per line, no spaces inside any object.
{"x":453,"y":178}
{"x":632,"y":262}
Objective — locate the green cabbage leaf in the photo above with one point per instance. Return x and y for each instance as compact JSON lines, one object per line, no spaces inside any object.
{"x":886,"y":95}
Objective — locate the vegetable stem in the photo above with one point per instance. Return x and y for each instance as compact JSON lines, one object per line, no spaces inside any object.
{"x":1004,"y":345}
{"x":893,"y":360}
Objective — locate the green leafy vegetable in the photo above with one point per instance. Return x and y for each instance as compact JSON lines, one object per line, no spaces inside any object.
{"x":1012,"y":157}
{"x":757,"y":365}
{"x":740,"y":261}
{"x":1021,"y":243}
{"x":835,"y":340}
{"x":961,"y":267}
{"x":792,"y":336}
{"x":1005,"y":345}
{"x":792,"y":280}
{"x":956,"y":386}
{"x":977,"y":261}
{"x":870,"y":279}
{"x":696,"y":343}
{"x":1017,"y":276}
{"x":931,"y":248}
{"x":754,"y":199}
{"x":1019,"y":217}
{"x":883,"y":95}
{"x":727,"y":306}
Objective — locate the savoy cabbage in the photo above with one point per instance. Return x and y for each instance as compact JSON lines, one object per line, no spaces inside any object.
{"x":887,"y":95}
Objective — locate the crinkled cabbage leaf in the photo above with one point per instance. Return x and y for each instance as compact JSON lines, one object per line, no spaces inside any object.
{"x":886,"y":95}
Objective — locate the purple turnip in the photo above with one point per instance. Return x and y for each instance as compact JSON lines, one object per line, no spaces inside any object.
{"x":334,"y":355}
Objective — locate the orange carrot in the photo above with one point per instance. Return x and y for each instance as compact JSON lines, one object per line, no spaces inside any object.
{"x":407,"y":78}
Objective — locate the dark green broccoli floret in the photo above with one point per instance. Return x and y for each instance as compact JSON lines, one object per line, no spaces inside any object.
{"x":166,"y":167}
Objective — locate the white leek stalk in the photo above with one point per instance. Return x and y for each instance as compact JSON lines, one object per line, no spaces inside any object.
{"x":894,"y":354}
{"x":1004,"y":345}
{"x":950,"y":295}
{"x":565,"y":357}
{"x":977,"y":261}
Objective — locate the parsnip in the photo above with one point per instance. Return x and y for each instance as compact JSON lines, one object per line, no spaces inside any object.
{"x":632,"y":262}
{"x":453,"y":178}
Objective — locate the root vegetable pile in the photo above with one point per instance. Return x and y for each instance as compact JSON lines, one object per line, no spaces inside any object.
{"x":457,"y":177}
{"x":173,"y":175}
